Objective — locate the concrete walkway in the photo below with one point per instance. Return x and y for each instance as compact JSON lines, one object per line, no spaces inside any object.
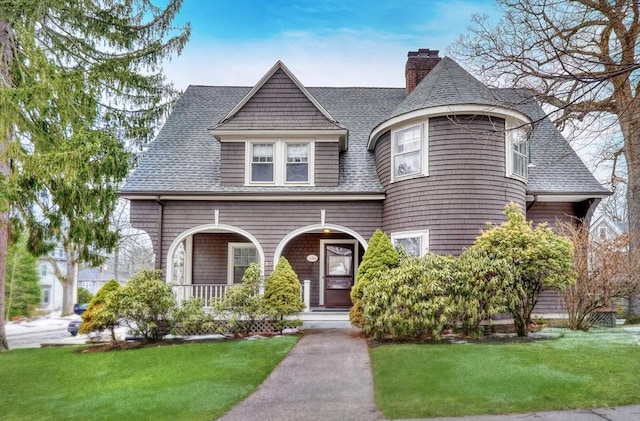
{"x":327,"y":376}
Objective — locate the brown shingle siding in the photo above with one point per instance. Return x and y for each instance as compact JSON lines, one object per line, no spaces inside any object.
{"x":326,"y":164}
{"x":466,"y":186}
{"x":232,"y":159}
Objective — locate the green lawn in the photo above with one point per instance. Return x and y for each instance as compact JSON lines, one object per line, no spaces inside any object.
{"x":578,"y":370}
{"x":181,"y":382}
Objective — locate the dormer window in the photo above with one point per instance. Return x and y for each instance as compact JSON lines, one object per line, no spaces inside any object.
{"x":262,"y":163}
{"x":409,"y":152}
{"x":297,"y":162}
{"x":280,"y":162}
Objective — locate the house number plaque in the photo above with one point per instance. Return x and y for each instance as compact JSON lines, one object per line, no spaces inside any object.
{"x":312,"y":258}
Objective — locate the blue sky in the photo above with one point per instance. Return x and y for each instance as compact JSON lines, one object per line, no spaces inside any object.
{"x":323,"y":42}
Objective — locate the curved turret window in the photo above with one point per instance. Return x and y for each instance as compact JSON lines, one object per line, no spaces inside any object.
{"x":517,"y":151}
{"x":409,"y":152}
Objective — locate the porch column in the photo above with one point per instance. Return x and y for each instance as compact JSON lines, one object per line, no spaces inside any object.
{"x":306,"y":293}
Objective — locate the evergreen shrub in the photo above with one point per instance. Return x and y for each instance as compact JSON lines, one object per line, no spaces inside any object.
{"x":283,"y":295}
{"x":379,"y":257}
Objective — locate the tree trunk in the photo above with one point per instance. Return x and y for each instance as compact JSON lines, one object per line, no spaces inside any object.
{"x":4,"y":245}
{"x":69,"y":286}
{"x":631,"y":133}
{"x":6,"y":58}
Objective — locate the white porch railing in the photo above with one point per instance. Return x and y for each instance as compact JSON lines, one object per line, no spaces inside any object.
{"x":206,"y":292}
{"x":209,"y":292}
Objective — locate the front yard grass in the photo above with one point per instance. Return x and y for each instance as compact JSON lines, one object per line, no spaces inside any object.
{"x":180,"y":382}
{"x":578,"y":370}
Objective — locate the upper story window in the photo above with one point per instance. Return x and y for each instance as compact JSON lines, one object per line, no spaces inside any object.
{"x":414,"y":243}
{"x":409,"y":152}
{"x":517,"y":151}
{"x":262,"y":162}
{"x":280,"y":162}
{"x":297,"y":163}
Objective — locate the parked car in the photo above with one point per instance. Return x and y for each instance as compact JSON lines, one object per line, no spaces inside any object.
{"x":74,"y":326}
{"x":80,"y":308}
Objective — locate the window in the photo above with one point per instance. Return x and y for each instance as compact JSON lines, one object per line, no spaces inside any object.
{"x":517,"y":153}
{"x":409,"y":152}
{"x":46,"y":296}
{"x":297,"y":162}
{"x":602,"y":233}
{"x":262,"y":163}
{"x":241,"y":255}
{"x":43,"y":270}
{"x":414,"y":243}
{"x":280,"y":163}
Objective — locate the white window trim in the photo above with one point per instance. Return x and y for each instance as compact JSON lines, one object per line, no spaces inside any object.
{"x":279,"y":161}
{"x":424,"y":239}
{"x":230,"y":266}
{"x":510,"y":126}
{"x":424,"y":149}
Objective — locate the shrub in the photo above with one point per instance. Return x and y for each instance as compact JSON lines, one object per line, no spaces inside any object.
{"x":379,"y":257}
{"x":84,"y":296}
{"x":282,"y":295}
{"x":145,"y":305}
{"x":98,"y":315}
{"x":243,"y":303}
{"x":410,"y":301}
{"x":478,"y":289}
{"x":536,"y":258}
{"x":190,"y":318}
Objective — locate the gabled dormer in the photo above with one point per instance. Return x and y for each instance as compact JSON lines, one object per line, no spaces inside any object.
{"x":279,"y":135}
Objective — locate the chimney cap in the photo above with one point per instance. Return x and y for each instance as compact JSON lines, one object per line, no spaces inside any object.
{"x":423,"y":52}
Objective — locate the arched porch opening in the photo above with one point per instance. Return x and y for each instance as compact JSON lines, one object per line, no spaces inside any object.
{"x":204,"y":261}
{"x":325,"y":257}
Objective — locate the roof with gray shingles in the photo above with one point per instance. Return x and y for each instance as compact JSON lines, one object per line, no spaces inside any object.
{"x":185,"y":158}
{"x":446,"y":84}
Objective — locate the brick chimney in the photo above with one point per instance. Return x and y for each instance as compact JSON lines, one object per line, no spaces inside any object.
{"x":419,"y":64}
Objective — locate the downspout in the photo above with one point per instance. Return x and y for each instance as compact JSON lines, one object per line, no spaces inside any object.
{"x":160,"y":224}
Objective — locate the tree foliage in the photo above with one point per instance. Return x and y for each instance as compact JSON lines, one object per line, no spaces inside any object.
{"x":536,"y":258}
{"x":145,"y":305}
{"x":84,"y":296}
{"x":77,"y":79}
{"x":23,"y":292}
{"x":581,"y":58}
{"x":379,"y":257}
{"x":283,"y":293}
{"x":98,"y":316}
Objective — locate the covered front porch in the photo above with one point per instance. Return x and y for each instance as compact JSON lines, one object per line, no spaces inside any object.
{"x":205,"y":262}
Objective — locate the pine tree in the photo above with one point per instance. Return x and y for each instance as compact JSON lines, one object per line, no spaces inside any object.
{"x":380,"y":256}
{"x":23,"y":292}
{"x":80,"y":82}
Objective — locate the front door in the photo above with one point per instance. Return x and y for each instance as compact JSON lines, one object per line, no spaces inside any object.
{"x":339,"y":265}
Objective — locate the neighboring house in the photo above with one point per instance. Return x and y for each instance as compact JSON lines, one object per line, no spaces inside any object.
{"x":249,"y":174}
{"x":604,"y":228}
{"x":94,"y":278}
{"x":49,"y":284}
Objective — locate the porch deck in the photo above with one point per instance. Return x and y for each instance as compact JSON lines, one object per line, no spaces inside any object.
{"x":211,"y":292}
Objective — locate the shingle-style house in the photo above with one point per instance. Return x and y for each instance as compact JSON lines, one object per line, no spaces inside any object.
{"x":243,"y":174}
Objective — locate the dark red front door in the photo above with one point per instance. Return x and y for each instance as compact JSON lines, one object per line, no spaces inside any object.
{"x":338,"y":272}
